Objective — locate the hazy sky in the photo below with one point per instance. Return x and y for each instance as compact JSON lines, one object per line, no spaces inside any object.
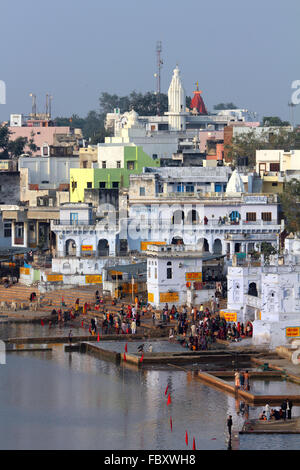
{"x":244,"y":52}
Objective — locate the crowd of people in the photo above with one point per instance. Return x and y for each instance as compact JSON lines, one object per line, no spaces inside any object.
{"x":203,"y":326}
{"x":284,"y":412}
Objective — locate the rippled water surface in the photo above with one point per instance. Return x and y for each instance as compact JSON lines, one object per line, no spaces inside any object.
{"x":58,"y":400}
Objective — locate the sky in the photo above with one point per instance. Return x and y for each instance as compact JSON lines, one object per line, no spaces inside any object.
{"x":241,"y":52}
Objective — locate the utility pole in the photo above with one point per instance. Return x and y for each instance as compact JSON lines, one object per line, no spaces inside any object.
{"x":291,"y":106}
{"x":159,"y":63}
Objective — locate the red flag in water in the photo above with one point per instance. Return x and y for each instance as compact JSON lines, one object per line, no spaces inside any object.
{"x":194,"y":445}
{"x":171,"y":424}
{"x":42,"y":323}
{"x":124,"y":357}
{"x":166,"y":390}
{"x":141,"y":360}
{"x":126,"y":347}
{"x":169,"y":400}
{"x":98,"y":337}
{"x":186,"y":438}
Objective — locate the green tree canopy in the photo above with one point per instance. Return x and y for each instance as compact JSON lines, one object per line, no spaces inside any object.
{"x":246,"y":144}
{"x":290,"y":204}
{"x":274,"y":121}
{"x":222,"y":106}
{"x":11,"y":148}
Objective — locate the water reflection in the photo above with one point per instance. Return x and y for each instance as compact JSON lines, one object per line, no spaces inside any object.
{"x":58,"y":400}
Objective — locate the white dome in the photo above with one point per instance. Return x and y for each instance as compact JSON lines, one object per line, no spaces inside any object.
{"x":235,"y":183}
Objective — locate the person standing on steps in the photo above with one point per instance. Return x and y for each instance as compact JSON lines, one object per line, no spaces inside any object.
{"x":229,"y":424}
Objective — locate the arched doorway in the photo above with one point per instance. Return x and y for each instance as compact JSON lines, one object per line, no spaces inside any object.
{"x":177,"y":241}
{"x":203,"y":244}
{"x":217,"y":246}
{"x":103,"y":247}
{"x":178,"y":217}
{"x":193,"y":217}
{"x":252,"y":289}
{"x":70,"y":248}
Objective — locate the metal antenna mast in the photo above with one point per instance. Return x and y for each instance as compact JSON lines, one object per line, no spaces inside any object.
{"x":159,"y":65}
{"x":291,"y":106}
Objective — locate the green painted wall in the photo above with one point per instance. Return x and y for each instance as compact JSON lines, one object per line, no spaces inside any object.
{"x":133,"y":156}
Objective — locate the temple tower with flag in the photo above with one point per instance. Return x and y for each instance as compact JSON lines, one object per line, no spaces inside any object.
{"x":177,"y":103}
{"x":197,"y":104}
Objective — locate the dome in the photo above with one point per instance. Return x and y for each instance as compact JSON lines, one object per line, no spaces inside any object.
{"x":235,"y":183}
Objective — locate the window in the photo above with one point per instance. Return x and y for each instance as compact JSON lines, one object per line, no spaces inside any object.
{"x":115,"y":184}
{"x":89,"y":184}
{"x":130,"y":165}
{"x":103,"y":164}
{"x":189,"y":188}
{"x":274,"y":184}
{"x":267,"y":216}
{"x":102,"y":184}
{"x":155,"y":273}
{"x":251,"y":216}
{"x":274,"y":167}
{"x":7,"y":229}
{"x":118,"y":164}
{"x":142,"y":192}
{"x":154,"y":156}
{"x":169,"y":270}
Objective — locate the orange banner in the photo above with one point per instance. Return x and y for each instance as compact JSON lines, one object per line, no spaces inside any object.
{"x":24,"y":271}
{"x":54,"y":277}
{"x":292,"y":331}
{"x":229,"y":316}
{"x":93,"y":279}
{"x":150,"y":297}
{"x":169,"y":297}
{"x":193,"y":276}
{"x":86,"y":247}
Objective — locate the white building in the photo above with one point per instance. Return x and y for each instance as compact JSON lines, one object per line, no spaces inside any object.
{"x":218,"y":222}
{"x":174,"y":275}
{"x":268,"y":295}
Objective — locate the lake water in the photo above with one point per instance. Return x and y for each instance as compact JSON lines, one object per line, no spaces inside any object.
{"x":58,"y":400}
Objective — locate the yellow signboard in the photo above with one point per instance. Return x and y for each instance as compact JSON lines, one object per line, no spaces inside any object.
{"x":150,"y":297}
{"x":86,"y":247}
{"x":24,"y":271}
{"x":169,"y":297}
{"x":4,"y":165}
{"x":54,"y":277}
{"x":193,"y":276}
{"x":229,"y":316}
{"x":292,"y":331}
{"x":93,"y":279}
{"x":144,"y":245}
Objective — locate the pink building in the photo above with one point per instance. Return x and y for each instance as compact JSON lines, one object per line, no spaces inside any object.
{"x":40,"y":135}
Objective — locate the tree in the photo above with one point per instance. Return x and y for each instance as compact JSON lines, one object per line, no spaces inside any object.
{"x":11,"y":148}
{"x":4,"y":141}
{"x":290,"y":203}
{"x":222,"y":106}
{"x":246,"y":144}
{"x":274,"y":121}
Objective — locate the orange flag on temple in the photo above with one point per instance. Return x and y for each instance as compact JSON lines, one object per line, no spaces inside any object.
{"x":194,"y":445}
{"x":169,"y":400}
{"x":186,"y":438}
